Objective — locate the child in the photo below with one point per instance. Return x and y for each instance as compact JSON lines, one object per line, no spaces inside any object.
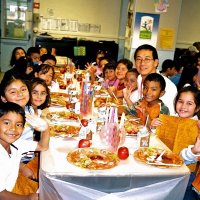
{"x":16,"y":54}
{"x":45,"y":72}
{"x":12,"y":147}
{"x":151,"y":105}
{"x":43,"y":50}
{"x":40,"y":96}
{"x":48,"y":59}
{"x":109,"y":76}
{"x":187,"y":102}
{"x":40,"y":99}
{"x":17,"y":91}
{"x":22,"y":69}
{"x":122,"y":68}
{"x":34,"y":54}
{"x":130,"y":91}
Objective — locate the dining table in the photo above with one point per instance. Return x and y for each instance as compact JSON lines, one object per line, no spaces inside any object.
{"x":131,"y":178}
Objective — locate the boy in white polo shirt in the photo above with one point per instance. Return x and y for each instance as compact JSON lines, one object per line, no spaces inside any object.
{"x":12,"y":120}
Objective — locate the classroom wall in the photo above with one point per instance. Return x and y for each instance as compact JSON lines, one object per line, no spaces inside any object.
{"x":189,"y":28}
{"x":169,"y":20}
{"x":105,"y":13}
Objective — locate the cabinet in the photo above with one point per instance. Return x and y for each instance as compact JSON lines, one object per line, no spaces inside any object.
{"x":16,"y":19}
{"x":16,"y":28}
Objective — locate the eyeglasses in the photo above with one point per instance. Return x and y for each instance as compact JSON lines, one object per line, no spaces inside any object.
{"x":145,"y":60}
{"x":36,"y":93}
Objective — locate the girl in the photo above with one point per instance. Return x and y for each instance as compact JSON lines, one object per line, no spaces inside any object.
{"x":187,"y":104}
{"x":40,"y":96}
{"x":16,"y":91}
{"x":109,"y":75}
{"x":122,"y":68}
{"x":45,"y":72}
{"x":130,"y":91}
{"x":40,"y":99}
{"x":16,"y":54}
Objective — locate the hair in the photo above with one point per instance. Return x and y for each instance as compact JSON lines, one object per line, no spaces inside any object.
{"x":110,"y":65}
{"x":191,"y":89}
{"x":108,"y":59}
{"x":156,"y":78}
{"x":147,"y":47}
{"x":12,"y":107}
{"x":187,"y":75}
{"x":44,"y":68}
{"x":38,"y":81}
{"x":168,"y":63}
{"x":6,"y":83}
{"x":133,"y":71}
{"x":126,"y":62}
{"x":45,"y":57}
{"x":13,"y":58}
{"x":33,"y":50}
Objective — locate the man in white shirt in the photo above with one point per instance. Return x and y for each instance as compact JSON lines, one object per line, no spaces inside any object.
{"x":146,"y":62}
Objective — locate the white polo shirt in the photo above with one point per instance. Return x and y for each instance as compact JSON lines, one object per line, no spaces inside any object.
{"x":10,"y":163}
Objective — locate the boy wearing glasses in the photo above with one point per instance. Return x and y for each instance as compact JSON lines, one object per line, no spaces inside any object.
{"x":146,"y":62}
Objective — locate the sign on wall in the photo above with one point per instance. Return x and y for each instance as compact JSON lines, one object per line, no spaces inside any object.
{"x":145,"y":29}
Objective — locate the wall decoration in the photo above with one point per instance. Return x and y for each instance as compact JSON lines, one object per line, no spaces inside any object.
{"x":146,"y":29}
{"x":161,"y":5}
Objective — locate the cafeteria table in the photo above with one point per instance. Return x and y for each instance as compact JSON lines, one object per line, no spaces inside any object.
{"x":130,"y":179}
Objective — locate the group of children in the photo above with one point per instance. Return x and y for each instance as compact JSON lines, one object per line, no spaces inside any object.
{"x":19,"y":98}
{"x":22,"y":100}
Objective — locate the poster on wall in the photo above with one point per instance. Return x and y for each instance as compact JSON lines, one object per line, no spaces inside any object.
{"x":145,"y":29}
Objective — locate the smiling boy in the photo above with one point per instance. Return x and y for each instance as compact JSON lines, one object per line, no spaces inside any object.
{"x":12,"y":120}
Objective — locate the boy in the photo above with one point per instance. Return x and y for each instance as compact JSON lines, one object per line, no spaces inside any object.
{"x":12,"y":120}
{"x":151,"y":106}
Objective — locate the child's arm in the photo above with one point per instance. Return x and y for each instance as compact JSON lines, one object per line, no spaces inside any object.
{"x":26,"y":171}
{"x":5,"y":195}
{"x":127,"y":93}
{"x":40,"y":124}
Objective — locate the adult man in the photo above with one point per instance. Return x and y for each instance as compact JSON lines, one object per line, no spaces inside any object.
{"x":146,"y":62}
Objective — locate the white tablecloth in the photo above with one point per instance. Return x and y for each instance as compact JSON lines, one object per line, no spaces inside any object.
{"x":129,"y":180}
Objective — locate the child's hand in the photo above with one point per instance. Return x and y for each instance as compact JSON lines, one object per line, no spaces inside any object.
{"x":155,"y":122}
{"x":91,"y":68}
{"x":37,"y":123}
{"x":196,"y":148}
{"x":127,"y":93}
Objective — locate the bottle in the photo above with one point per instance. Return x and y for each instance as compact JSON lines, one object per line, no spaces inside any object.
{"x":85,"y":96}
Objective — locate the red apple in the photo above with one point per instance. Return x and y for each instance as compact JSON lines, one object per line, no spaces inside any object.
{"x":123,"y":153}
{"x":84,"y":122}
{"x":84,"y":143}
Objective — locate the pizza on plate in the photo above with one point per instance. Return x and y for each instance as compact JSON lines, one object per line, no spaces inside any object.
{"x":149,"y":155}
{"x":63,"y":130}
{"x":62,"y":116}
{"x":93,"y":158}
{"x":58,"y":99}
{"x":131,"y":127}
